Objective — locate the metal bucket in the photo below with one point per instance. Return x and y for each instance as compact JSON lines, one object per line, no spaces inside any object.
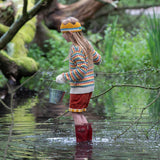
{"x":55,"y":96}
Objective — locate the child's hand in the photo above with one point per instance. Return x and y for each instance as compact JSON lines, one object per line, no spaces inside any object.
{"x":60,"y":79}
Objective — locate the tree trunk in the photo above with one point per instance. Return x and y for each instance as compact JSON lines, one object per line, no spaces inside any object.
{"x":55,"y":12}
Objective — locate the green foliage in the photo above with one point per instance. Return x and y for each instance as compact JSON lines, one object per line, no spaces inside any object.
{"x":53,"y":54}
{"x":128,"y":52}
{"x":109,"y":39}
{"x":153,"y":38}
{"x":137,"y":2}
{"x":51,"y":62}
{"x":121,"y":2}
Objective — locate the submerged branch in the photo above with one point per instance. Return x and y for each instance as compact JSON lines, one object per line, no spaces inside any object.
{"x":58,"y":117}
{"x":12,"y":91}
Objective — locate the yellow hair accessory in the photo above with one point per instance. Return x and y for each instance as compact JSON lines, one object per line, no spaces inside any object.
{"x":71,"y":27}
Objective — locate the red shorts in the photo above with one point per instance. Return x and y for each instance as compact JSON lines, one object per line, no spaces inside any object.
{"x":79,"y":102}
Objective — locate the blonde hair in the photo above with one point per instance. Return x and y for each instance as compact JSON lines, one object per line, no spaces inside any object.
{"x":77,"y":38}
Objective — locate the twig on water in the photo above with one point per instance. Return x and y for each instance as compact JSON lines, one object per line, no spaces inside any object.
{"x":58,"y":117}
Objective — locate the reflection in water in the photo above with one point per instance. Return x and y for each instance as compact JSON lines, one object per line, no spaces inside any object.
{"x":56,"y":140}
{"x":155,"y":108}
{"x":83,"y":151}
{"x":35,"y":138}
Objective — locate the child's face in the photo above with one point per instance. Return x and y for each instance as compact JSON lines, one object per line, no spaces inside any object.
{"x":67,"y":36}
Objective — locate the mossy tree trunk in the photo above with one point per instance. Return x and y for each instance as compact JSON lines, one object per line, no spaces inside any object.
{"x":14,"y":62}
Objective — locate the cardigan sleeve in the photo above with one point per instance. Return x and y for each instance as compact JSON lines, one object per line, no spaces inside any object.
{"x":78,"y":73}
{"x":97,"y":59}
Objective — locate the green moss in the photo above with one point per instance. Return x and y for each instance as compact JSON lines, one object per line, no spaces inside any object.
{"x":27,"y":63}
{"x":16,"y":50}
{"x":2,"y":52}
{"x":27,"y":32}
{"x":3,"y":28}
{"x":17,"y":47}
{"x":24,"y":35}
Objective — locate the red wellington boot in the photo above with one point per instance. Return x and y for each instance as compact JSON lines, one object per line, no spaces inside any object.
{"x":81,"y":133}
{"x":89,"y":132}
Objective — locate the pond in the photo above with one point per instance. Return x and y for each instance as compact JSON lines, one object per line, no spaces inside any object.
{"x":37,"y":133}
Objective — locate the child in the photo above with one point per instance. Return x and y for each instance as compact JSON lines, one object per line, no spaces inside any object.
{"x":82,"y":58}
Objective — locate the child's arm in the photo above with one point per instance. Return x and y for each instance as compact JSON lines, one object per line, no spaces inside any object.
{"x":81,"y":67}
{"x":97,"y":59}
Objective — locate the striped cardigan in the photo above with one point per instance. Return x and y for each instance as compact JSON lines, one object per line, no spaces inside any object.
{"x":81,"y":75}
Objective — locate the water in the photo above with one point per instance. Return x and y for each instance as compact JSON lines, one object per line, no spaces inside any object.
{"x":35,"y":136}
{"x":32,"y":139}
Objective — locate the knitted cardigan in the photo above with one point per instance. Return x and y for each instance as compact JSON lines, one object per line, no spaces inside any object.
{"x":81,"y":75}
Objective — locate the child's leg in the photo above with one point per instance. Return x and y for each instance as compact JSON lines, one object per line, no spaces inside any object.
{"x":89,"y":127}
{"x":77,"y":118}
{"x":79,"y":103}
{"x":81,"y":129}
{"x":83,"y":118}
